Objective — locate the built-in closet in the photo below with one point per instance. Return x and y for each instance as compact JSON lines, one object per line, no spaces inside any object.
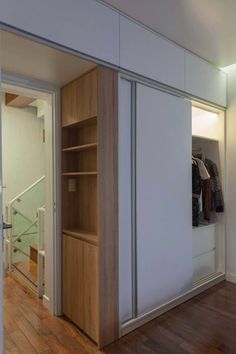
{"x":208,"y":143}
{"x":164,"y":259}
{"x":89,"y":204}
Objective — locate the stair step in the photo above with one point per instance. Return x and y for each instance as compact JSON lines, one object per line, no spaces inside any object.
{"x":34,"y":253}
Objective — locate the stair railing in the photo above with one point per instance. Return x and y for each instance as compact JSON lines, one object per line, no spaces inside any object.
{"x":41,"y":250}
{"x":11,"y":212}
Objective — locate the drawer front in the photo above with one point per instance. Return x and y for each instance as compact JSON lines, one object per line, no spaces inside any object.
{"x":204,"y":265}
{"x":204,"y":240}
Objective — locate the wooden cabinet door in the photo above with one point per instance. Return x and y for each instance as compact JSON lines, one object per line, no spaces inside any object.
{"x":87,"y":95}
{"x":80,"y":284}
{"x":73,"y":279}
{"x":69,"y":104}
{"x":90,"y":287}
{"x":79,"y":99}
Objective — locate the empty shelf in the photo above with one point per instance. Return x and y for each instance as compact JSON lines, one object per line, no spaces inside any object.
{"x":92,"y":173}
{"x":87,"y":121}
{"x":82,"y":235}
{"x":86,"y":147}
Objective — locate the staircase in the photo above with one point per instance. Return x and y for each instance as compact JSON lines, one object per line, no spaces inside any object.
{"x":25,"y":241}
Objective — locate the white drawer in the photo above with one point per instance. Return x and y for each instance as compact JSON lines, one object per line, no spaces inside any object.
{"x":204,"y":239}
{"x":204,"y":265}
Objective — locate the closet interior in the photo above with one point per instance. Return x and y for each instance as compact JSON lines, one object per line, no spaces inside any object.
{"x":208,"y":188}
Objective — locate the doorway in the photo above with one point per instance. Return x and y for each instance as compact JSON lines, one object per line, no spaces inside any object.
{"x":28,"y":197}
{"x":32,"y":247}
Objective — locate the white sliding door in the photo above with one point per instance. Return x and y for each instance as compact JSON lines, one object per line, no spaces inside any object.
{"x":125,"y":207}
{"x":163,"y":198}
{"x":1,"y":212}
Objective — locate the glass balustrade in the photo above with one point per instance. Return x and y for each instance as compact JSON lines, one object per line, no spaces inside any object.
{"x":25,"y":229}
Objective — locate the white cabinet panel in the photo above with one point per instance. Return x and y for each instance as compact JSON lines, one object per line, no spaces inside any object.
{"x":204,"y":265}
{"x":204,"y":239}
{"x":204,"y":80}
{"x":147,"y":54}
{"x":125,"y":238}
{"x":164,"y":209}
{"x":83,"y":25}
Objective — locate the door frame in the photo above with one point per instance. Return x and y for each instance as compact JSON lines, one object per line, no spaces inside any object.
{"x":53,"y":300}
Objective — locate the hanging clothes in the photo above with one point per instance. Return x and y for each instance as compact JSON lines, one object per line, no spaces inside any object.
{"x":217,"y":203}
{"x":207,"y":199}
{"x":196,"y":192}
{"x":206,"y":191}
{"x":202,"y":169}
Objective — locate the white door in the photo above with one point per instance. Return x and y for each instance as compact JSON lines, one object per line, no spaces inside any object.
{"x":1,"y":213}
{"x":125,"y":203}
{"x":163,"y":198}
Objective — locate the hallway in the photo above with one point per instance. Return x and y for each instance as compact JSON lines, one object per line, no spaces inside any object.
{"x":205,"y":324}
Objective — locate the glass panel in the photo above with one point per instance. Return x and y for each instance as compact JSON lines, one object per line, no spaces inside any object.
{"x":25,"y":230}
{"x":31,"y":200}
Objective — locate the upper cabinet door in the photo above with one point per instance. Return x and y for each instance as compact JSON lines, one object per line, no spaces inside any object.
{"x":146,"y":53}
{"x":82,"y":25}
{"x":163,"y":198}
{"x":205,"y":81}
{"x":79,"y":99}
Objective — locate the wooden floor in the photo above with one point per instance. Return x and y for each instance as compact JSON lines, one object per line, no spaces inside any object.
{"x":205,"y":324}
{"x":29,"y":269}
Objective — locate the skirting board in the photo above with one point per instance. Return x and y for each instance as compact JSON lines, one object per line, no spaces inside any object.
{"x":46,"y":302}
{"x":137,"y":322}
{"x":231,"y":277}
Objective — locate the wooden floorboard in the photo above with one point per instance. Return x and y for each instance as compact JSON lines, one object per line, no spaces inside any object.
{"x":29,"y":269}
{"x":205,"y":324}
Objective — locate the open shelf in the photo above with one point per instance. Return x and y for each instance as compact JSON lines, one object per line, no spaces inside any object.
{"x":82,"y":235}
{"x":204,"y":225}
{"x":87,"y":121}
{"x":92,"y":173}
{"x":205,"y":138}
{"x":78,"y":148}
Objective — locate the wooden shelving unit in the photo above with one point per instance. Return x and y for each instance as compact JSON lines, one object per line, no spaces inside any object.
{"x":85,"y":147}
{"x":89,"y":176}
{"x":82,"y":235}
{"x":79,"y":202}
{"x":91,"y":173}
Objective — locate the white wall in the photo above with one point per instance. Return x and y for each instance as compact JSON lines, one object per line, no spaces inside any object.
{"x":231,"y":176}
{"x":23,"y":149}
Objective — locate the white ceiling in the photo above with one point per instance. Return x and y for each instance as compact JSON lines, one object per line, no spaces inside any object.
{"x":205,"y":27}
{"x":29,"y":59}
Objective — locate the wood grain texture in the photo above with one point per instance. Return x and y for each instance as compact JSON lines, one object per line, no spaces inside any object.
{"x":108,"y":205}
{"x":17,"y":101}
{"x":82,"y":161}
{"x":80,"y":134}
{"x":79,"y":99}
{"x":92,"y":207}
{"x":78,"y":148}
{"x":80,"y":207}
{"x":80,"y":284}
{"x":29,"y":269}
{"x":82,"y":235}
{"x":205,"y":324}
{"x":72,"y":280}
